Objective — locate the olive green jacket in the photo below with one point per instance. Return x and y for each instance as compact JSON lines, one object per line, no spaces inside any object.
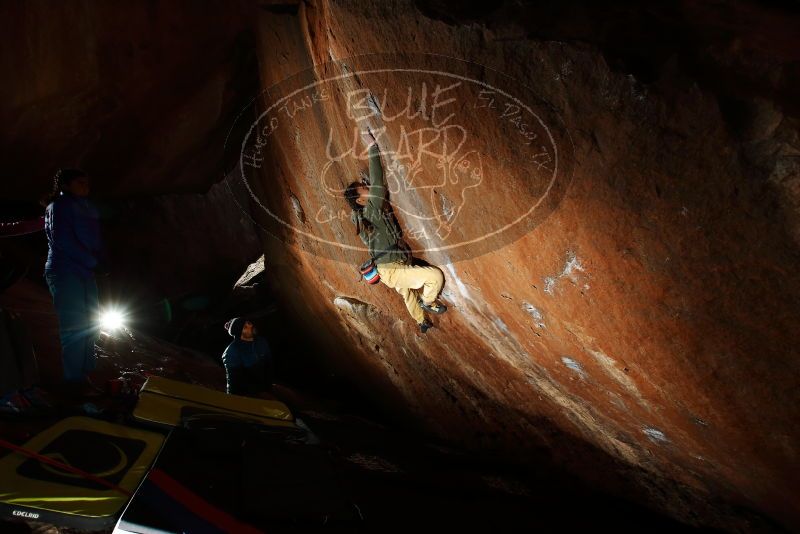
{"x":385,"y":238}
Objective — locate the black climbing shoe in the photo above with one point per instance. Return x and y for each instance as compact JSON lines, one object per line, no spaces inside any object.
{"x":424,"y":325}
{"x":435,"y":307}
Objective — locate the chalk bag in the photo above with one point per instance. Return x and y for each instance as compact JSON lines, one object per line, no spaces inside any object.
{"x":370,"y":272}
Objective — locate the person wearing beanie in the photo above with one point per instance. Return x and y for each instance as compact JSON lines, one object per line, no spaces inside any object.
{"x":235,"y":327}
{"x":247,"y":360}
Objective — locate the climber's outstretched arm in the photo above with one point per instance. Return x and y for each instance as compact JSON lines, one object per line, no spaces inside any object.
{"x":377,"y":188}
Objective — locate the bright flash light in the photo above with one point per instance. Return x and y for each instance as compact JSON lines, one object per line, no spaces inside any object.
{"x":111,"y":320}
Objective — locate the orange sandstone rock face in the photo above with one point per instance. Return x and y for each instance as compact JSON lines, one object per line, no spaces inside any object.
{"x":622,"y":282}
{"x":620,"y":251}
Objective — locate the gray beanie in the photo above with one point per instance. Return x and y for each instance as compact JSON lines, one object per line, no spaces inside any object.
{"x":235,"y":326}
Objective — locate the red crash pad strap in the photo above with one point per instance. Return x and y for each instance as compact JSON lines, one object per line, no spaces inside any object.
{"x":63,"y":466}
{"x":198,"y":505}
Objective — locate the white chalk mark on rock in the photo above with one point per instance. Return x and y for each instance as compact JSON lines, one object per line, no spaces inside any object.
{"x":575,"y":366}
{"x":501,"y":325}
{"x":298,"y":209}
{"x":655,"y":435}
{"x":570,"y":270}
{"x":535,"y":313}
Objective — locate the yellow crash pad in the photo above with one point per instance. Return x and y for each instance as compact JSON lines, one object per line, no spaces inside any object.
{"x":164,"y":402}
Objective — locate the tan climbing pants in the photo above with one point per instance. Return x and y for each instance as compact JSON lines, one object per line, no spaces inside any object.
{"x":413,"y":282}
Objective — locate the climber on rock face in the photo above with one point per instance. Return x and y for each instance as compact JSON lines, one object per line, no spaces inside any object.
{"x":419,"y":285}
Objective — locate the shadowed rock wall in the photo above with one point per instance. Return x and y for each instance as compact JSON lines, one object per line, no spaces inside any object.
{"x":140,"y":95}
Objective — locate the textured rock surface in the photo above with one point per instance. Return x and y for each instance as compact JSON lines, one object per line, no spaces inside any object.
{"x":640,"y":329}
{"x":644,"y":333}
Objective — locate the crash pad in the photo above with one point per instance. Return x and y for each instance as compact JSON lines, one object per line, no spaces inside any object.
{"x":165,"y":402}
{"x":113,"y":459}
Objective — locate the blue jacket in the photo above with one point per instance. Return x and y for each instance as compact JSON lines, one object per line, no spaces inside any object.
{"x":246,"y":353}
{"x":73,"y":235}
